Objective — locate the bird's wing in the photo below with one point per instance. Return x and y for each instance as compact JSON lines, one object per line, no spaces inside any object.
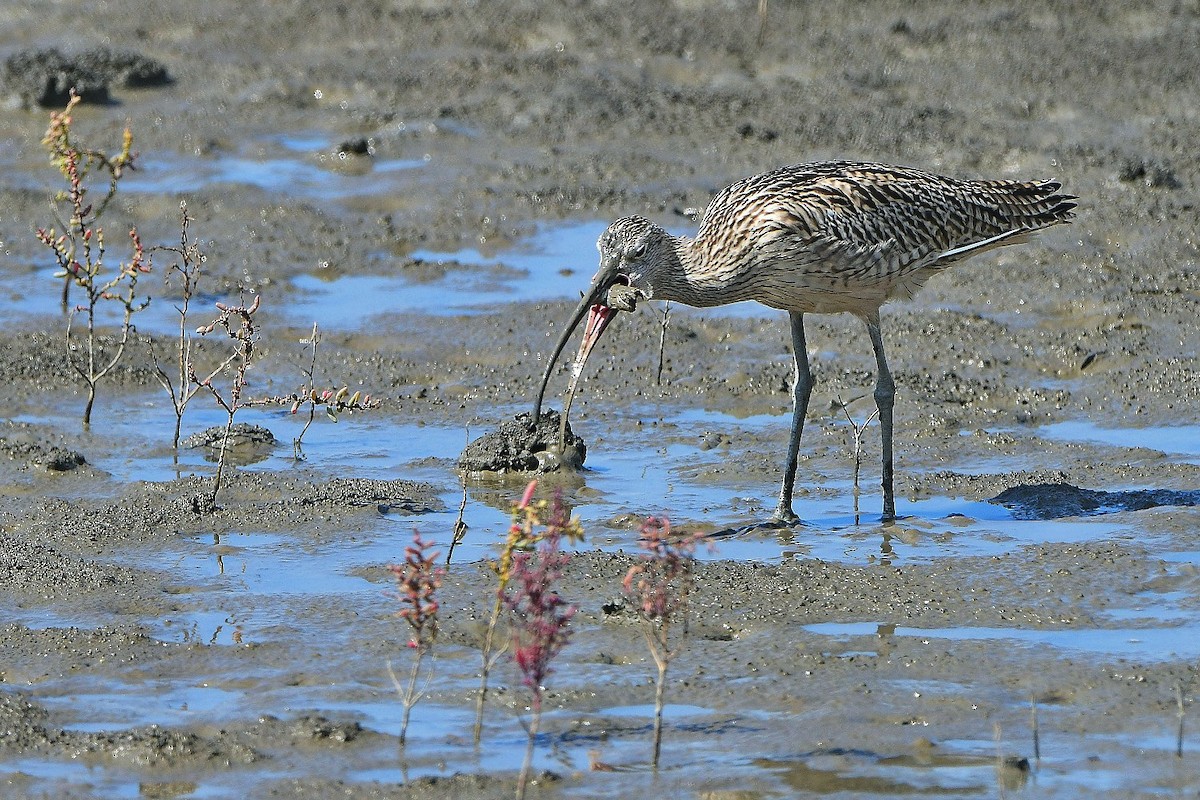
{"x":849,"y":259}
{"x":860,"y":229}
{"x":888,"y":226}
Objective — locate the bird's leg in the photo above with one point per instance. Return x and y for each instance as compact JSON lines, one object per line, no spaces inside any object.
{"x":801,"y":391}
{"x":885,"y":399}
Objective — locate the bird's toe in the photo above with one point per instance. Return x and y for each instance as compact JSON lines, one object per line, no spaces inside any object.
{"x":784,"y":517}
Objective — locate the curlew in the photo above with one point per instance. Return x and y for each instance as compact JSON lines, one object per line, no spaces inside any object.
{"x":819,"y":238}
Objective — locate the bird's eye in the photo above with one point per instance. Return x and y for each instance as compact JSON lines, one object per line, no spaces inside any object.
{"x":637,"y":251}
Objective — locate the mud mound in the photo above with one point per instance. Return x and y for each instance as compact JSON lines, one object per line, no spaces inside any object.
{"x":248,"y":444}
{"x":1056,"y":500}
{"x":25,"y":444}
{"x":520,"y":446}
{"x":44,"y":78}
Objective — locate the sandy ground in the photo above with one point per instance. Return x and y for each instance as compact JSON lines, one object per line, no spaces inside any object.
{"x":530,"y":112}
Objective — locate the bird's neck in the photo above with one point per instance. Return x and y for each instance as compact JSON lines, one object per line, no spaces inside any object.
{"x":687,"y":283}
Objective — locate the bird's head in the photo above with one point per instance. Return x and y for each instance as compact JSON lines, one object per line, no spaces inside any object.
{"x":634,"y":253}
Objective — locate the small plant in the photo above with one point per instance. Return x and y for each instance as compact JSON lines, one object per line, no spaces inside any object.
{"x":76,"y":164}
{"x":660,"y":586}
{"x":1035,"y":726}
{"x":79,"y":249}
{"x":188,"y":269}
{"x":334,"y":401}
{"x":523,"y":534}
{"x":459,"y":531}
{"x":238,"y":323}
{"x":417,"y":582}
{"x":539,"y":620}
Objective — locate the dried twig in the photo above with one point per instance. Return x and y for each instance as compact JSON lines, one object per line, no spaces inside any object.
{"x":238,"y":323}
{"x":188,"y":268}
{"x":859,"y":430}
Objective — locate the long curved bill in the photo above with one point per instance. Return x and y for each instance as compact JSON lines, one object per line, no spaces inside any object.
{"x":599,"y":315}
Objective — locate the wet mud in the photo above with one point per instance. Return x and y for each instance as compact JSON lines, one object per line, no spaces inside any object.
{"x":522,"y":446}
{"x":149,"y":649}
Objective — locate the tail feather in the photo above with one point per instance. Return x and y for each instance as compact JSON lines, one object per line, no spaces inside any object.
{"x":1012,"y":212}
{"x":1027,"y":205}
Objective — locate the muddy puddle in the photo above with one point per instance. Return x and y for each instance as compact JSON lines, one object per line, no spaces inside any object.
{"x":625,"y":480}
{"x":305,"y":164}
{"x":238,"y":587}
{"x":428,"y":185}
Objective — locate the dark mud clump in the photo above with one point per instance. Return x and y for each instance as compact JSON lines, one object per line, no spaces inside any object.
{"x":1054,"y":500}
{"x":44,"y":78}
{"x":519,"y":445}
{"x":248,"y":444}
{"x":26,"y":444}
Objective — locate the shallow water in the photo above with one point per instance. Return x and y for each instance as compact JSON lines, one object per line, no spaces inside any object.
{"x":1152,"y":643}
{"x":299,"y":164}
{"x":555,"y":263}
{"x":1179,"y":441}
{"x":621,"y":478}
{"x":241,"y":585}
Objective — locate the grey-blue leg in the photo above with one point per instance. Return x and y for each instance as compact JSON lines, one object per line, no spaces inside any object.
{"x":885,"y":400}
{"x":801,"y":391}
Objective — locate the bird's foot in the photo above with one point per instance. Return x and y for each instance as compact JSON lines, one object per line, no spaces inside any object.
{"x":889,"y":511}
{"x":775,"y":523}
{"x":783,"y":517}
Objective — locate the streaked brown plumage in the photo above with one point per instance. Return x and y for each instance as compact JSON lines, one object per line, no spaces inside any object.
{"x":819,"y":238}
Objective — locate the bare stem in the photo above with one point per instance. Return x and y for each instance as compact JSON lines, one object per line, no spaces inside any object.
{"x":1033,"y":722}
{"x":460,"y":526}
{"x":660,"y":689}
{"x":488,"y":659}
{"x":859,"y":430}
{"x":91,"y":401}
{"x":1179,"y":712}
{"x":662,"y":341}
{"x":996,"y":736}
{"x":297,"y":443}
{"x":535,"y":720}
{"x":660,"y":586}
{"x":409,"y":696}
{"x":180,"y":389}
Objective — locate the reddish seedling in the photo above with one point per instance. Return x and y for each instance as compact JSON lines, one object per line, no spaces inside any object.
{"x":417,"y":582}
{"x":539,"y":620}
{"x":524,"y":533}
{"x":659,"y":587}
{"x":79,"y":248}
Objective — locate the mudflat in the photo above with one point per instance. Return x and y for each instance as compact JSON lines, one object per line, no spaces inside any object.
{"x":1043,"y":578}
